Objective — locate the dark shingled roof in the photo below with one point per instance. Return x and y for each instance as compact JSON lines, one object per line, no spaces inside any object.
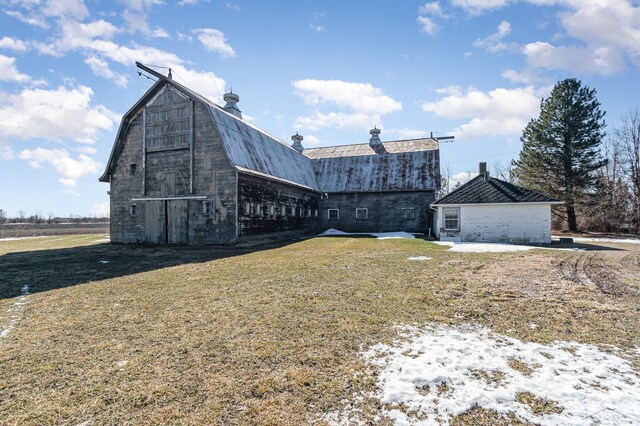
{"x":481,"y":191}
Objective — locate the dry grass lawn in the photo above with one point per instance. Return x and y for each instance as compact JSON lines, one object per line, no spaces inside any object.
{"x":271,"y":334}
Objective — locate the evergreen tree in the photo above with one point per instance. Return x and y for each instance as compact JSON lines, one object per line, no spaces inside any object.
{"x":560,"y":149}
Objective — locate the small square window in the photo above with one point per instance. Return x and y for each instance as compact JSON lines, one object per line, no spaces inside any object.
{"x":409,"y":213}
{"x":132,"y":209}
{"x":206,"y":207}
{"x":362,"y":214}
{"x":333,"y":214}
{"x":451,"y":219}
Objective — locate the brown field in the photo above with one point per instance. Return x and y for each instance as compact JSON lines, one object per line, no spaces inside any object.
{"x":22,"y":230}
{"x":269,"y":334}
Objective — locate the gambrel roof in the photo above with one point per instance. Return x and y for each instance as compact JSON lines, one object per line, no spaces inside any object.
{"x":407,"y":165}
{"x":481,"y":190}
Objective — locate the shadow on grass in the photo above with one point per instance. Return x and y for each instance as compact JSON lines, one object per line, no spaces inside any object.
{"x":44,"y":270}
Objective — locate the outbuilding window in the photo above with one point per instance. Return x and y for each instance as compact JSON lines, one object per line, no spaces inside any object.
{"x":206,"y":207}
{"x":362,"y":214}
{"x":409,"y":213}
{"x":132,"y":169}
{"x":451,"y":219}
{"x":333,"y":214}
{"x":247,"y":208}
{"x":132,"y":209}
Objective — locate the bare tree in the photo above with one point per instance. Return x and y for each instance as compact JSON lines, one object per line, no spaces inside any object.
{"x":629,"y":136}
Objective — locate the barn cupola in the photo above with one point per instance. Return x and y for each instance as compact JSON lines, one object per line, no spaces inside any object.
{"x":297,"y":142}
{"x":375,"y":143}
{"x":231,"y":100}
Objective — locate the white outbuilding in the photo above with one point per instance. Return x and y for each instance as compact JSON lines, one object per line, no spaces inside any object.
{"x":492,"y":210}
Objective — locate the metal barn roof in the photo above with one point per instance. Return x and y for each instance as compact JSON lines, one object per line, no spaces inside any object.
{"x":407,"y":165}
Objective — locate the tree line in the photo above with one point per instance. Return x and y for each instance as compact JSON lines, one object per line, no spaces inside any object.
{"x":567,"y":154}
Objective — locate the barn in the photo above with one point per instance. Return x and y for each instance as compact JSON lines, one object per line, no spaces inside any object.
{"x":184,"y":170}
{"x":488,"y":209}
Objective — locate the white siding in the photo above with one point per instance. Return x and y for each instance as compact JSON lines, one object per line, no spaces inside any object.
{"x":501,"y":222}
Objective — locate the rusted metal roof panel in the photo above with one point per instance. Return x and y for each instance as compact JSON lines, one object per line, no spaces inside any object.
{"x":391,"y":147}
{"x":408,"y":171}
{"x":252,"y":150}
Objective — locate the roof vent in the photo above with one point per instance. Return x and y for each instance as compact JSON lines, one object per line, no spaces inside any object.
{"x":375,"y":143}
{"x":232,"y":99}
{"x":297,"y":142}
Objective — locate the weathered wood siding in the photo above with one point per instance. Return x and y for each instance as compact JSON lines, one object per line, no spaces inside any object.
{"x":386,"y":211}
{"x":514,"y":223}
{"x":266,"y":206}
{"x":178,"y":163}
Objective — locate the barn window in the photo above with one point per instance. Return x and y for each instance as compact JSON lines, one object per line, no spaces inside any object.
{"x":206,"y":207}
{"x":272,"y":210}
{"x":409,"y":213}
{"x":362,"y":214}
{"x":132,"y":209}
{"x":315,"y":212}
{"x":333,"y":214}
{"x":258,"y":210}
{"x":293,"y":211}
{"x":451,"y":219}
{"x":247,"y":208}
{"x":284,"y":210}
{"x":132,"y":169}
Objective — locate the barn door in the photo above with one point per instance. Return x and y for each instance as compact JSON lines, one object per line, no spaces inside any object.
{"x":155,"y":222}
{"x":177,"y":221}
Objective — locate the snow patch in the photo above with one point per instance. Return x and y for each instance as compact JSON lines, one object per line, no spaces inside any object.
{"x":378,"y":235}
{"x":122,"y":363}
{"x":102,"y":240}
{"x":419,"y":258}
{"x":15,"y":312}
{"x":605,"y":240}
{"x":440,"y":371}
{"x":103,"y":261}
{"x":463,"y":247}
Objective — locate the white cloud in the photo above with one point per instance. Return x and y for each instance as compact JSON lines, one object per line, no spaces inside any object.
{"x":433,"y":9}
{"x":361,"y":97}
{"x":494,"y":43}
{"x":65,"y":9}
{"x":9,"y":72}
{"x":214,"y":41}
{"x":101,"y":68}
{"x":13,"y":44}
{"x":428,"y":12}
{"x":136,"y":21}
{"x":578,"y":59}
{"x":57,"y":114}
{"x":427,"y":25}
{"x":6,"y":153}
{"x":71,"y":169}
{"x":407,"y":133}
{"x":498,"y":112}
{"x":461,"y":178}
{"x":526,"y":76}
{"x":187,"y":2}
{"x":367,"y":103}
{"x":336,"y":120}
{"x":158,"y":33}
{"x":36,"y":21}
{"x":233,"y":6}
{"x":311,"y":140}
{"x":317,"y":28}
{"x":476,"y":7}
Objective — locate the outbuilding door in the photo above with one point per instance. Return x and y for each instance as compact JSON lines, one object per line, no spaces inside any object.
{"x":167,"y":222}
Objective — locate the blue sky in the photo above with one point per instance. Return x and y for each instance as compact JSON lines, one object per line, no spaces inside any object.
{"x":329,"y":70}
